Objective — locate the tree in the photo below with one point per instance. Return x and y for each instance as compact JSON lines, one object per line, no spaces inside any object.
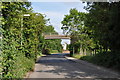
{"x":103,"y":21}
{"x":73,"y":24}
{"x":53,"y":44}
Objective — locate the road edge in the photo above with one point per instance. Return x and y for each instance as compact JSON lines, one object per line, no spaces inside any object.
{"x":92,"y":65}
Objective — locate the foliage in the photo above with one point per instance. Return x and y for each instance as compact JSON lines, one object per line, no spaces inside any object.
{"x":105,"y":24}
{"x":20,"y":66}
{"x":22,"y":39}
{"x":52,"y":44}
{"x":73,"y":24}
{"x":96,"y":32}
{"x":78,"y":56}
{"x":12,"y":49}
{"x":46,"y":51}
{"x":108,"y":59}
{"x":54,"y":51}
{"x":87,"y":58}
{"x":103,"y":19}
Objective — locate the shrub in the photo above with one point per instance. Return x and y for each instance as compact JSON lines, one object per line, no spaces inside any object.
{"x":46,"y":51}
{"x":87,"y":58}
{"x":78,"y":56}
{"x":54,"y":51}
{"x":107,"y":59}
{"x":20,"y":66}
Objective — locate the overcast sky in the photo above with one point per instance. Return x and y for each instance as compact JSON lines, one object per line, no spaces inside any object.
{"x":56,"y":11}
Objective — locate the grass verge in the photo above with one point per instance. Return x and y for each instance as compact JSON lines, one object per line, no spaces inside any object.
{"x":108,"y":60}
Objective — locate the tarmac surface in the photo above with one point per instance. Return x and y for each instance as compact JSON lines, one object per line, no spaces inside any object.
{"x":61,"y":66}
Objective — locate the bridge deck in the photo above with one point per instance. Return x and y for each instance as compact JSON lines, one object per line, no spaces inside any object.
{"x":57,"y":37}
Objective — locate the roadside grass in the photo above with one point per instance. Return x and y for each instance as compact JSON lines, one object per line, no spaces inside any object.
{"x":87,"y":58}
{"x":54,"y":51}
{"x":77,"y":56}
{"x":108,"y":59}
{"x":83,"y":57}
{"x":39,"y":55}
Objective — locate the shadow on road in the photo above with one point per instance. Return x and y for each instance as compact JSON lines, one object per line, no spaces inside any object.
{"x":57,"y":64}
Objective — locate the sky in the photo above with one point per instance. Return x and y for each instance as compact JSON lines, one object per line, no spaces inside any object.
{"x":56,"y":11}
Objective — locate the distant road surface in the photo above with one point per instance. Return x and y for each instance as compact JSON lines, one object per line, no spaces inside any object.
{"x":57,"y":66}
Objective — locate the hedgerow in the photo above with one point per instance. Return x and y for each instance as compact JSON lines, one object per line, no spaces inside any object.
{"x":21,"y":39}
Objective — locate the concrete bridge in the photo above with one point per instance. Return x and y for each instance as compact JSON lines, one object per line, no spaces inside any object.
{"x":55,"y":36}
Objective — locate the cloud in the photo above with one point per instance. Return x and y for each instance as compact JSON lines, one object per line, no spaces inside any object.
{"x":58,"y":28}
{"x":56,"y":11}
{"x":55,"y":19}
{"x":53,"y":14}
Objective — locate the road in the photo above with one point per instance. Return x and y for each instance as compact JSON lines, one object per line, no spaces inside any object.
{"x":57,"y":66}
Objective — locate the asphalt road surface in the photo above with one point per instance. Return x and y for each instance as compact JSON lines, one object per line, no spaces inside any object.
{"x":57,"y":66}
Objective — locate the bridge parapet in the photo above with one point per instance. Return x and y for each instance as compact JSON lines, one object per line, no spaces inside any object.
{"x":55,"y":36}
{"x":54,"y":33}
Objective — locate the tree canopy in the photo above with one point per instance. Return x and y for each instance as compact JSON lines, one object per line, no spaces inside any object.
{"x":95,"y":32}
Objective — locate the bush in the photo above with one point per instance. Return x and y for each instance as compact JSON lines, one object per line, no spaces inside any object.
{"x":78,"y":56}
{"x":87,"y":58}
{"x":20,"y":66}
{"x":107,"y":59}
{"x":54,"y":51}
{"x":46,"y":51}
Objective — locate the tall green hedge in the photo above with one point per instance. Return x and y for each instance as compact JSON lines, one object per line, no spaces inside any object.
{"x":22,"y":39}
